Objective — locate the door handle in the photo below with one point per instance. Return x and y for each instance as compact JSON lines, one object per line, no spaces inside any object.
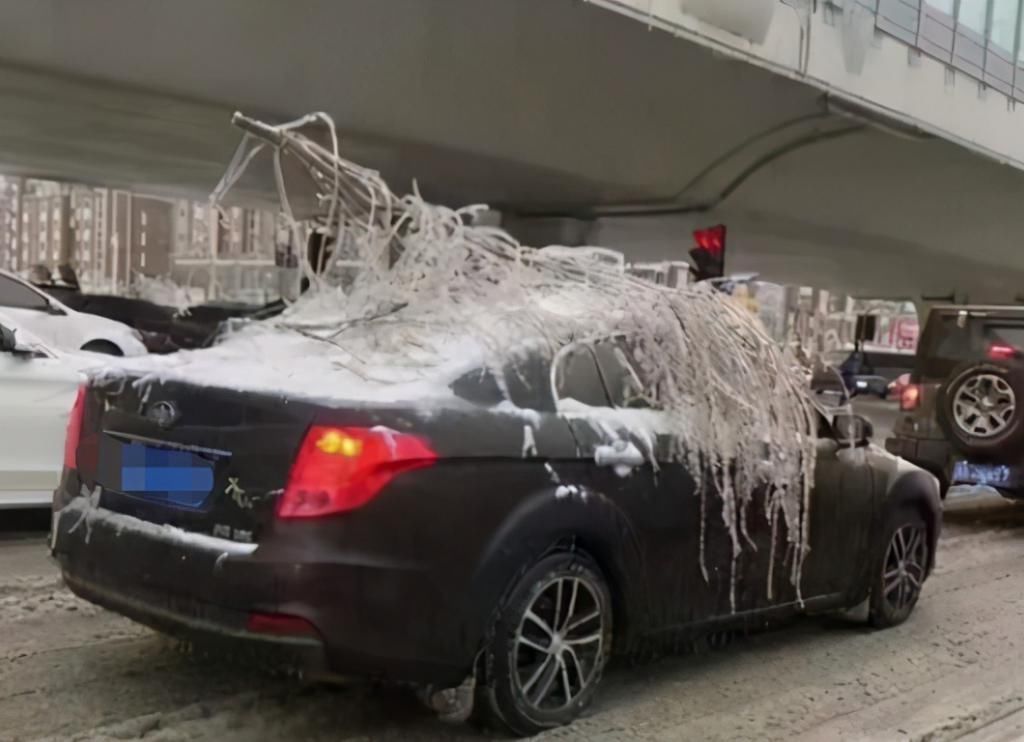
{"x":620,"y":454}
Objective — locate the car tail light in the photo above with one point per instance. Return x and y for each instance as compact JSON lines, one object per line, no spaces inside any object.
{"x":341,"y":469}
{"x":910,"y":398}
{"x":1002,"y":352}
{"x":279,"y":624}
{"x":74,"y":432}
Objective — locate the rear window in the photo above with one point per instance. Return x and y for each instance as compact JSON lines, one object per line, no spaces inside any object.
{"x":618,"y":371}
{"x":951,"y":340}
{"x":577,"y":377}
{"x":527,"y":384}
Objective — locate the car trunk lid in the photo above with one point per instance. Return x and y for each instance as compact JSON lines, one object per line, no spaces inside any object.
{"x":206,"y":460}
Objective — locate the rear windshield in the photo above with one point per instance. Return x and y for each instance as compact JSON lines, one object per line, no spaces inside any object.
{"x":950,"y":340}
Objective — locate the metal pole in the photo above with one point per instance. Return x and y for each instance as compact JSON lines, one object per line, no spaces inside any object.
{"x":213,"y":224}
{"x":128,"y":243}
{"x":19,"y":210}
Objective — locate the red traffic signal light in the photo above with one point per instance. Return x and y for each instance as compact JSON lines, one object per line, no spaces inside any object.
{"x":709,"y":254}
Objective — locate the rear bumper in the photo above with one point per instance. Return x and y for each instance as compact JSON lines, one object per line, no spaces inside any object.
{"x":204,"y":588}
{"x":941,"y":459}
{"x":932,"y":455}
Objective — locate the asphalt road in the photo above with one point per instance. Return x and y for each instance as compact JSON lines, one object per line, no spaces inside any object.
{"x":70,"y":671}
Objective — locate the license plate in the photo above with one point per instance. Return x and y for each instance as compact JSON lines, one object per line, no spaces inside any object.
{"x":175,"y":477}
{"x":862,"y":385}
{"x":992,"y":475}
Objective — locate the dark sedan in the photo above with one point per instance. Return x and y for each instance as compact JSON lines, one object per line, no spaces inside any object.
{"x":163,"y":329}
{"x":511,"y":548}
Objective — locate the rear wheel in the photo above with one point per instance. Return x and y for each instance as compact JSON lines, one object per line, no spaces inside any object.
{"x":548,"y":646}
{"x":901,"y":569}
{"x":105,"y":347}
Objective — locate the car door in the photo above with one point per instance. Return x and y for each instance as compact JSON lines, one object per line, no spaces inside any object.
{"x":842,"y":508}
{"x":36,"y":395}
{"x":708,"y":562}
{"x":686,"y":564}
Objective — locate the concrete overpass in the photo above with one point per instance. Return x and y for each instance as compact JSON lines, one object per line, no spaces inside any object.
{"x":871,"y":146}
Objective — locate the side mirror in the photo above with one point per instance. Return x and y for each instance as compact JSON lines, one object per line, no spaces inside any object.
{"x":54,"y":309}
{"x":852,"y":430}
{"x":8,"y":343}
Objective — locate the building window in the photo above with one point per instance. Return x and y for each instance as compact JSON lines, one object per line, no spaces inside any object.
{"x":1003,"y":31}
{"x":973,"y":14}
{"x":946,"y":6}
{"x":1020,"y":52}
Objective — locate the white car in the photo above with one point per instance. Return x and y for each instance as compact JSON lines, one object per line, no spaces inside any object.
{"x":62,"y":327}
{"x":38,"y":388}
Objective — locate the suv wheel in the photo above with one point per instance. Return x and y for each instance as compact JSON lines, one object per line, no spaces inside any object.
{"x":548,"y":647}
{"x":981,"y":410}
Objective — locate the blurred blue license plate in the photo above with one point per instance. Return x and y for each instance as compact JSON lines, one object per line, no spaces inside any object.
{"x":985,"y":474}
{"x":175,"y":477}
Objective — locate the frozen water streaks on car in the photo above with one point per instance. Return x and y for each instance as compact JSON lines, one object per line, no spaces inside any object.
{"x":439,"y":296}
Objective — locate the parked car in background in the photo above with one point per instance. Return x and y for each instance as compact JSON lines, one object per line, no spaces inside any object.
{"x":62,"y":327}
{"x":870,"y":371}
{"x":163,"y":329}
{"x":897,"y":385}
{"x":963,"y":410}
{"x":38,"y":386}
{"x":319,"y":529}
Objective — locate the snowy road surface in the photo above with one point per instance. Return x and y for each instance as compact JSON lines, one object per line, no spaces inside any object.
{"x":69,"y":671}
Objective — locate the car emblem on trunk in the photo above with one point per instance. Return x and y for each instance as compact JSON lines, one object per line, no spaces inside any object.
{"x":164,"y":414}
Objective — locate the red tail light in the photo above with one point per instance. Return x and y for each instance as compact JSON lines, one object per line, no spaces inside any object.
{"x":74,"y":432}
{"x":341,"y":469}
{"x":1002,"y":352}
{"x":279,"y":624}
{"x":910,"y":398}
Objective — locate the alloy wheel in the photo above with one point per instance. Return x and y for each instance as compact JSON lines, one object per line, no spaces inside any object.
{"x":984,"y":405}
{"x":559,"y":645}
{"x":905,"y":565}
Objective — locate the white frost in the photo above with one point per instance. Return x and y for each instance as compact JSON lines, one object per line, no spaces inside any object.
{"x":569,"y":490}
{"x":87,"y":511}
{"x":507,"y":407}
{"x":529,"y":442}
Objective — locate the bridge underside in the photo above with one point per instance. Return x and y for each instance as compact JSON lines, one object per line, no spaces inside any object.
{"x":545,"y":109}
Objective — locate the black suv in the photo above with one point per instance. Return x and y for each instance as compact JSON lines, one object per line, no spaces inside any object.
{"x":963,"y":411}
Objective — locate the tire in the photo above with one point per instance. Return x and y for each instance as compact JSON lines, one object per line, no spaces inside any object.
{"x":981,"y":410}
{"x":900,"y":568}
{"x":518,"y":664}
{"x":104,"y":347}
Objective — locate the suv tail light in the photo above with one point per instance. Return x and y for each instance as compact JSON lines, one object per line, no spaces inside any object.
{"x":341,"y":469}
{"x":74,"y":432}
{"x":910,"y":398}
{"x":1002,"y":352}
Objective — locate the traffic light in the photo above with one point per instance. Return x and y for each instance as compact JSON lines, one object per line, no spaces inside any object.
{"x":709,"y":254}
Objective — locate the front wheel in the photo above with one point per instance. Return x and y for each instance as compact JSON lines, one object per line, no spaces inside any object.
{"x":548,"y":647}
{"x":901,"y":570}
